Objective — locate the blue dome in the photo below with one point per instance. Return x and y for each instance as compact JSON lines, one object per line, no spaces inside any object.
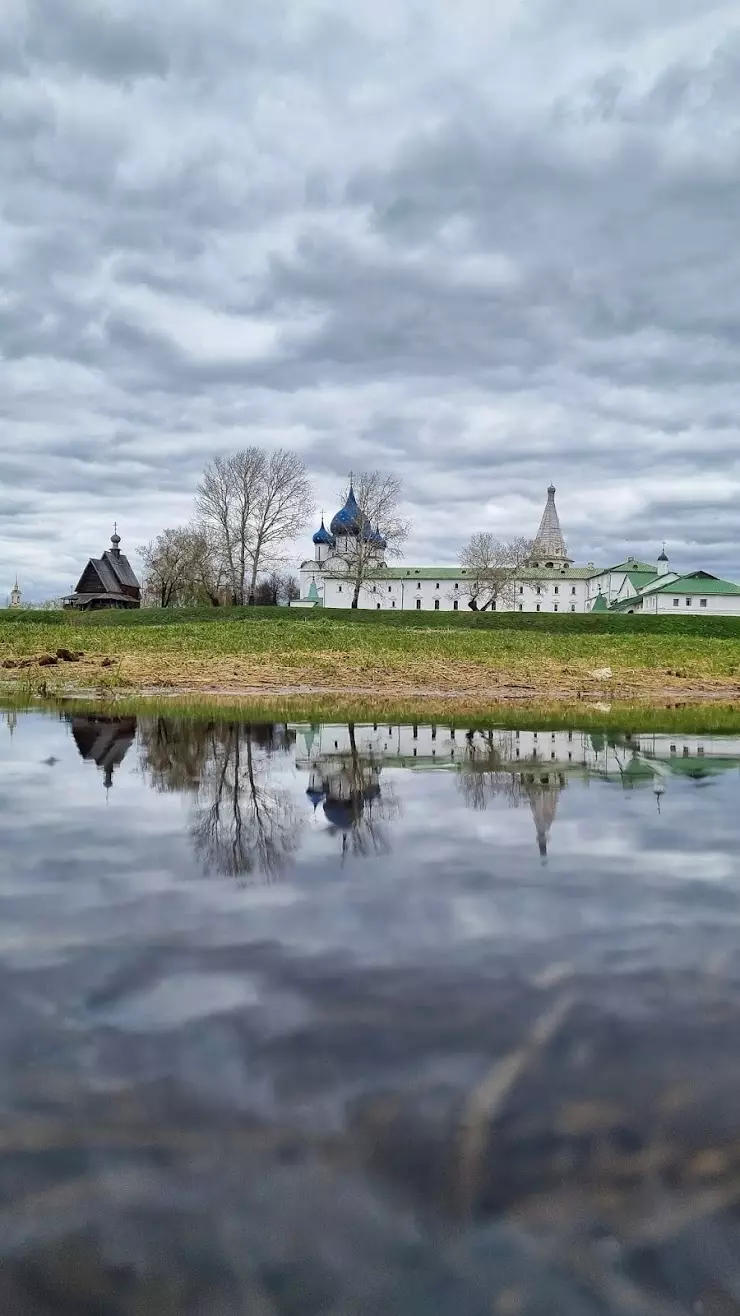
{"x":322,"y":535}
{"x":378,"y":539}
{"x":345,"y":814}
{"x":349,"y":520}
{"x":315,"y":796}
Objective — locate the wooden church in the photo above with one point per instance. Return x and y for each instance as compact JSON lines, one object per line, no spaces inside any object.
{"x":106,"y":582}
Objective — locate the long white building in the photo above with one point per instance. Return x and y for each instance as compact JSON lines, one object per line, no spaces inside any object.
{"x":550,"y":581}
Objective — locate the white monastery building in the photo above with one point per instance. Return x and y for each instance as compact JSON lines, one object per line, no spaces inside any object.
{"x":549,"y":582}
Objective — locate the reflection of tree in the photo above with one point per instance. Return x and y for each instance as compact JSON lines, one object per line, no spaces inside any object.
{"x":485,"y":769}
{"x":174,"y":753}
{"x":489,"y":770}
{"x":348,"y":787}
{"x":243,"y":822}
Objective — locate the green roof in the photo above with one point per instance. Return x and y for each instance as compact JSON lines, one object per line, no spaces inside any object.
{"x":460,"y":573}
{"x":624,"y":605}
{"x":600,"y":604}
{"x":639,"y":579}
{"x":632,"y":565}
{"x":313,"y":593}
{"x":570,"y":573}
{"x":698,"y":582}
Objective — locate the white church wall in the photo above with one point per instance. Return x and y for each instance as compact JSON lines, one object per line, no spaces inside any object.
{"x":719,"y":605}
{"x":563,"y":594}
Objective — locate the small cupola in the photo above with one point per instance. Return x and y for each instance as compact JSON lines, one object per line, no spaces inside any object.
{"x":323,"y":536}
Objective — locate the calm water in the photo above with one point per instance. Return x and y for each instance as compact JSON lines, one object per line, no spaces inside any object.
{"x":353,"y":1019}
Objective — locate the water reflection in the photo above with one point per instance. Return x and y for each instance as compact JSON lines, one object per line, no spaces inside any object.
{"x":346,"y":784}
{"x":439,"y":1079}
{"x":245,"y":817}
{"x":243,"y":821}
{"x":104,"y":741}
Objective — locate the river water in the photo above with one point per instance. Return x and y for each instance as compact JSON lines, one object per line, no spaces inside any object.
{"x":356,"y":1019}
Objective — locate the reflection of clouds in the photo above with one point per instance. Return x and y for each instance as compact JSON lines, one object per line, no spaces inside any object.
{"x":83,"y":871}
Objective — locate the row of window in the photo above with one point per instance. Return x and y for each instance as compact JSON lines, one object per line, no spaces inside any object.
{"x":702,"y":603}
{"x":555,"y":607}
{"x":555,"y":589}
{"x":456,"y":586}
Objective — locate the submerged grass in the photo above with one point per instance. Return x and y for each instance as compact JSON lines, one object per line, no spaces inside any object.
{"x":623,"y":717}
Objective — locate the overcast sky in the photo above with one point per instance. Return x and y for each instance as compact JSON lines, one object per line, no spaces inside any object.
{"x":483,"y":245}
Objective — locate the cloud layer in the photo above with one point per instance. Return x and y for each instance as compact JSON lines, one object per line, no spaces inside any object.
{"x":483,"y":246}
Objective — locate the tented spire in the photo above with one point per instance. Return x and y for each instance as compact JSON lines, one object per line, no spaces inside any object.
{"x":549,"y":545}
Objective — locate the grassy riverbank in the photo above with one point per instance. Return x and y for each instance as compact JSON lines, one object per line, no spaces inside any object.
{"x":418,"y":662}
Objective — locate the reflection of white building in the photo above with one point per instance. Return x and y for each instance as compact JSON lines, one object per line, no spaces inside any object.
{"x":550,"y":582}
{"x":528,"y":767}
{"x":625,"y":758}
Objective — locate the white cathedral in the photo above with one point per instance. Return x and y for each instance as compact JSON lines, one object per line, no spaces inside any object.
{"x":550,"y":581}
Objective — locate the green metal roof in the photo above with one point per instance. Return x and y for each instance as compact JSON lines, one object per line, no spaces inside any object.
{"x":639,"y":579}
{"x":419,"y":573}
{"x":624,"y":605}
{"x":698,"y":582}
{"x":461,"y":573}
{"x":570,"y":573}
{"x":600,"y":604}
{"x":632,"y":565}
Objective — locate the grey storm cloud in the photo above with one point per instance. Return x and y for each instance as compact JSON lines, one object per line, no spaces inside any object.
{"x":482,"y":246}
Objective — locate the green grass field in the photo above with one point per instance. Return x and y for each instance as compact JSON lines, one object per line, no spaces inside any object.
{"x":550,"y":623}
{"x":431,"y":658}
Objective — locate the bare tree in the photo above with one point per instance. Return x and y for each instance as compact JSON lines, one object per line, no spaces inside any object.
{"x":167,"y":562}
{"x":378,"y":529}
{"x":209,"y":577}
{"x":290,"y":589}
{"x":267,"y":594}
{"x":278,"y":587}
{"x":250,"y":503}
{"x":182,"y":566}
{"x":492,"y":566}
{"x":225,"y":503}
{"x":282,"y":504}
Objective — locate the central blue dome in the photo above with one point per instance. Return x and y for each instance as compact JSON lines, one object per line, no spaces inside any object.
{"x":349,"y":519}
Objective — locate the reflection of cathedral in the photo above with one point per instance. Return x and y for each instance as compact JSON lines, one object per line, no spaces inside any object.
{"x":523,"y":766}
{"x":104,"y":741}
{"x":346,"y":784}
{"x":344,"y":790}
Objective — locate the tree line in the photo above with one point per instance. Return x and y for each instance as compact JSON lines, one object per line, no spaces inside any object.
{"x":251,"y":505}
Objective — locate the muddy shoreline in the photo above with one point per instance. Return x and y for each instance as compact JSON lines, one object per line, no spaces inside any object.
{"x":393,"y":693}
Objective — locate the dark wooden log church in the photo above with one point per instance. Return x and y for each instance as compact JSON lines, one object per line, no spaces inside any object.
{"x":106,"y":582}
